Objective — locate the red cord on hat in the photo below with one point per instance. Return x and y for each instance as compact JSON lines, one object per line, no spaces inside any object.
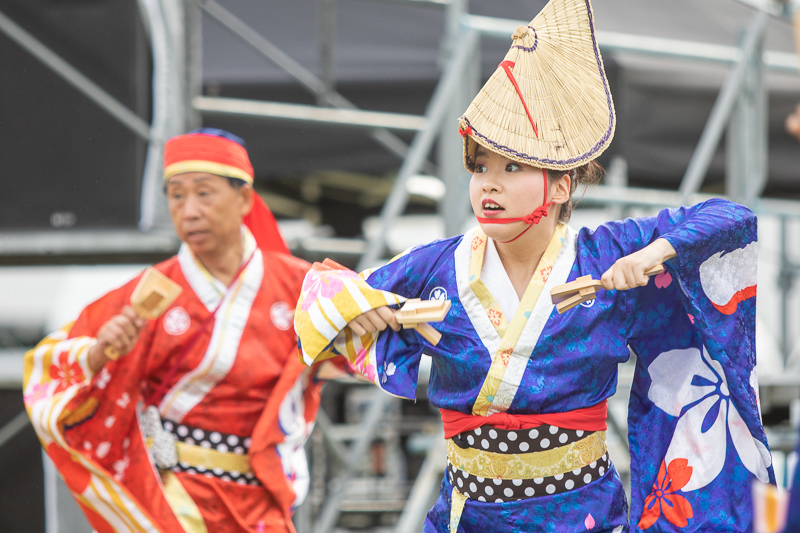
{"x":507,"y":66}
{"x":534,"y":218}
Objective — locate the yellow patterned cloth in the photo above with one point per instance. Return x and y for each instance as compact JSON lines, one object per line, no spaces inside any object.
{"x":331,"y":297}
{"x":530,"y":465}
{"x":186,"y":510}
{"x":457,"y":503}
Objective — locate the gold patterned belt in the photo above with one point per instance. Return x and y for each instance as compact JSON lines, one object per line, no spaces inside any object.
{"x":540,"y":464}
{"x":210,"y":459}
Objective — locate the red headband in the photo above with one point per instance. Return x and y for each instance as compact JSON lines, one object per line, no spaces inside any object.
{"x":200,"y":152}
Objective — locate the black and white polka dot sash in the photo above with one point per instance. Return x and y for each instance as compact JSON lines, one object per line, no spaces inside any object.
{"x":213,"y":440}
{"x":518,"y":441}
{"x":512,"y":463}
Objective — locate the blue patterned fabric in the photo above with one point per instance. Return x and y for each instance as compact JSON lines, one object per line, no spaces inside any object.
{"x":695,"y":434}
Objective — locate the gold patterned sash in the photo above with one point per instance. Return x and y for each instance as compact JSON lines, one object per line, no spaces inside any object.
{"x":529,"y":465}
{"x":210,"y":459}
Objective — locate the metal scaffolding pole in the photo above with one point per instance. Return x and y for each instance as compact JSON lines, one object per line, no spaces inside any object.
{"x":13,"y":426}
{"x":611,"y":41}
{"x":722,"y":110}
{"x":326,"y":12}
{"x":369,"y":425}
{"x":454,"y":206}
{"x":302,"y":75}
{"x":425,"y":487}
{"x":786,"y":276}
{"x":307,"y":113}
{"x":176,"y":79}
{"x":421,"y":145}
{"x":746,"y":137}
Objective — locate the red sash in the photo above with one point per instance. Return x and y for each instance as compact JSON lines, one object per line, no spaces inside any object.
{"x":587,"y":419}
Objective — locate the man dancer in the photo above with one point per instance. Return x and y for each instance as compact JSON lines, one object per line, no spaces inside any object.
{"x":195,"y":420}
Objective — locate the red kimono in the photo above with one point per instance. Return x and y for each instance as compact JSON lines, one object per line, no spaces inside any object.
{"x":239,"y":404}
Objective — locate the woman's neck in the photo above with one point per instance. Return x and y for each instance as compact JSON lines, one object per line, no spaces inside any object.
{"x":521,"y":257}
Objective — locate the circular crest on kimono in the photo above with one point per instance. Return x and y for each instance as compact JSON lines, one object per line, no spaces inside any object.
{"x":177,"y":321}
{"x":282,"y":315}
{"x":438,"y":293}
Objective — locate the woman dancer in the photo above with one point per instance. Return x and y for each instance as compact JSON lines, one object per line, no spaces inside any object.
{"x":523,"y":389}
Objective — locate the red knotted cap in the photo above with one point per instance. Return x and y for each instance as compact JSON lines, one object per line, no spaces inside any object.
{"x":207,"y":150}
{"x":224,"y":154}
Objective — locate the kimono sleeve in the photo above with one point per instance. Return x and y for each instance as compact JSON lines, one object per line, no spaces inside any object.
{"x":87,"y":423}
{"x":695,"y":433}
{"x":58,"y":381}
{"x":332,"y":296}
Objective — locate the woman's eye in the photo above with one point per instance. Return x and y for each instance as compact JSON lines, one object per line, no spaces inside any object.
{"x":512,"y":167}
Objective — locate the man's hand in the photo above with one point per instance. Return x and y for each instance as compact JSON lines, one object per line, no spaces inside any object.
{"x":629,"y":271}
{"x":120,"y":332}
{"x":374,"y":320}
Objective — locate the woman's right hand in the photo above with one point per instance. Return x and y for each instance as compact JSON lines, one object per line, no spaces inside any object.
{"x":629,"y":271}
{"x":374,"y":320}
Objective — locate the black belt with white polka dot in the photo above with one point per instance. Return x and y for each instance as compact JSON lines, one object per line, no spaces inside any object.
{"x":214,"y":440}
{"x":508,"y":487}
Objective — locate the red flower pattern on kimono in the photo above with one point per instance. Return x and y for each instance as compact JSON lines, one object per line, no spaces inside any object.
{"x":476,"y":243}
{"x":495,"y":316}
{"x":545,"y":272}
{"x":66,"y":374}
{"x":664,"y":499}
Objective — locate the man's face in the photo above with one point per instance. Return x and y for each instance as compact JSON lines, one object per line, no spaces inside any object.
{"x":207,"y":212}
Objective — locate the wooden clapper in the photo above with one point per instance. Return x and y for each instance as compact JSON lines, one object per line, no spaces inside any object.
{"x":151,"y":297}
{"x":416,"y":313}
{"x":583,"y":289}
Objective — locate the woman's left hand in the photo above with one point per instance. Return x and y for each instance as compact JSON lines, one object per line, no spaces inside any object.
{"x":629,"y":271}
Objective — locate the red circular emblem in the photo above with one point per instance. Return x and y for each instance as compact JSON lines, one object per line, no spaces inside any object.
{"x":176,"y":321}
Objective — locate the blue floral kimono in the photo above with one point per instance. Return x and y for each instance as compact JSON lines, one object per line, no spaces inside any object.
{"x":695,"y":434}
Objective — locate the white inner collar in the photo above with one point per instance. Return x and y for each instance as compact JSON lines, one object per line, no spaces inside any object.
{"x":495,"y":277}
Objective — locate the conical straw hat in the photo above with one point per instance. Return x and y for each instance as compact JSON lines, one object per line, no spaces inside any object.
{"x":557,"y":67}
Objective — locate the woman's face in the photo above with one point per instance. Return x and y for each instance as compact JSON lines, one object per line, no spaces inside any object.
{"x":502,"y":188}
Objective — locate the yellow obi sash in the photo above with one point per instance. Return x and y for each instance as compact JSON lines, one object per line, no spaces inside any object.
{"x":528,"y":465}
{"x":208,"y":458}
